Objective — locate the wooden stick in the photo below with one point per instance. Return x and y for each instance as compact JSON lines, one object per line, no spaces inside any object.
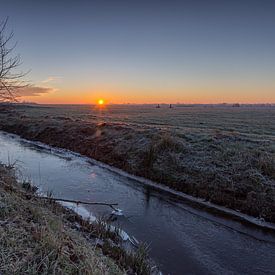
{"x":77,"y":202}
{"x":59,"y":199}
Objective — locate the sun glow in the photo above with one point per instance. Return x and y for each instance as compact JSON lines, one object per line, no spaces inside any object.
{"x":100,"y":102}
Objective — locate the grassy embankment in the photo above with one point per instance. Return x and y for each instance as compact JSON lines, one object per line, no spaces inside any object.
{"x":217,"y":163}
{"x":39,"y":236}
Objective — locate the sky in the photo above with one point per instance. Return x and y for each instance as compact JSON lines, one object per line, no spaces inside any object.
{"x":189,"y":51}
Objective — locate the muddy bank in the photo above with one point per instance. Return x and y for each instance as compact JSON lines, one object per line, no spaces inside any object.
{"x":225,"y":167}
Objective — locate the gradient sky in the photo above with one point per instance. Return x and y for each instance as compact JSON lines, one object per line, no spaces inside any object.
{"x":199,"y":51}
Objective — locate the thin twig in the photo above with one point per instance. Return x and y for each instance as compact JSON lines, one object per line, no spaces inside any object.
{"x":77,"y":202}
{"x":59,"y":199}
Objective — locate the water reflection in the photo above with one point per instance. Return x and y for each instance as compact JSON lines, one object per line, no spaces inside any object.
{"x":147,"y":196}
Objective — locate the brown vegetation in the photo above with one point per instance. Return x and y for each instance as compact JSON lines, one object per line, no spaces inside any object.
{"x":40,"y":236}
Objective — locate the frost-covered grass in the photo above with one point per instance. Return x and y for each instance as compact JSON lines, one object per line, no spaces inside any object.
{"x":222,"y":154}
{"x":36,"y":239}
{"x":39,"y":236}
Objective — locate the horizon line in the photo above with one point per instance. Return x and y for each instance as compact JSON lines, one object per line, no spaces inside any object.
{"x":131,"y":103}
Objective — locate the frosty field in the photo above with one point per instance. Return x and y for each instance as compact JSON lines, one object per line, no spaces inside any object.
{"x":223,"y":154}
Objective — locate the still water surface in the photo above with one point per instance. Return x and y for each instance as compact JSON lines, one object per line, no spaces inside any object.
{"x":183,"y":240}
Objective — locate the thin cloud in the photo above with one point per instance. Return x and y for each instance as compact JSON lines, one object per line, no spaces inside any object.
{"x":34,"y":91}
{"x":51,"y":79}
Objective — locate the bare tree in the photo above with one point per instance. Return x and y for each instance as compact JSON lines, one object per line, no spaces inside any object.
{"x":11,"y":80}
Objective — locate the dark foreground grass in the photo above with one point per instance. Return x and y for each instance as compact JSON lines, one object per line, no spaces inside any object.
{"x":41,"y":237}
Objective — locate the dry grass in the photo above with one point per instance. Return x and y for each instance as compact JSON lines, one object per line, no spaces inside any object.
{"x":36,"y":240}
{"x":38,"y":237}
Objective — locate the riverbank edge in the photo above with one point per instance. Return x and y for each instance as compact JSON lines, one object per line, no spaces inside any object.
{"x":77,"y":241}
{"x":197,"y":203}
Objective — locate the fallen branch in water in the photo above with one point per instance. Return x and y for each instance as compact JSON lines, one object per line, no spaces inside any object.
{"x":12,"y":188}
{"x":77,"y":202}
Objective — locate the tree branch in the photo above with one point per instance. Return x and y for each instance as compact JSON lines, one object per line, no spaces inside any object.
{"x":77,"y":201}
{"x":11,"y":80}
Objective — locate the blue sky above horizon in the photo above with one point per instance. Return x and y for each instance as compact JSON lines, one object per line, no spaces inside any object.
{"x":146,"y":51}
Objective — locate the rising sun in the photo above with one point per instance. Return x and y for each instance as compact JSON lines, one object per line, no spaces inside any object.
{"x":100,"y":102}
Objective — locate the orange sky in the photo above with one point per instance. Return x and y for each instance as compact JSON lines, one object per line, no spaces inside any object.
{"x":140,"y":96}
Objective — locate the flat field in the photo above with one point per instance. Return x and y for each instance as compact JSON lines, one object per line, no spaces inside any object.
{"x":223,"y":154}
